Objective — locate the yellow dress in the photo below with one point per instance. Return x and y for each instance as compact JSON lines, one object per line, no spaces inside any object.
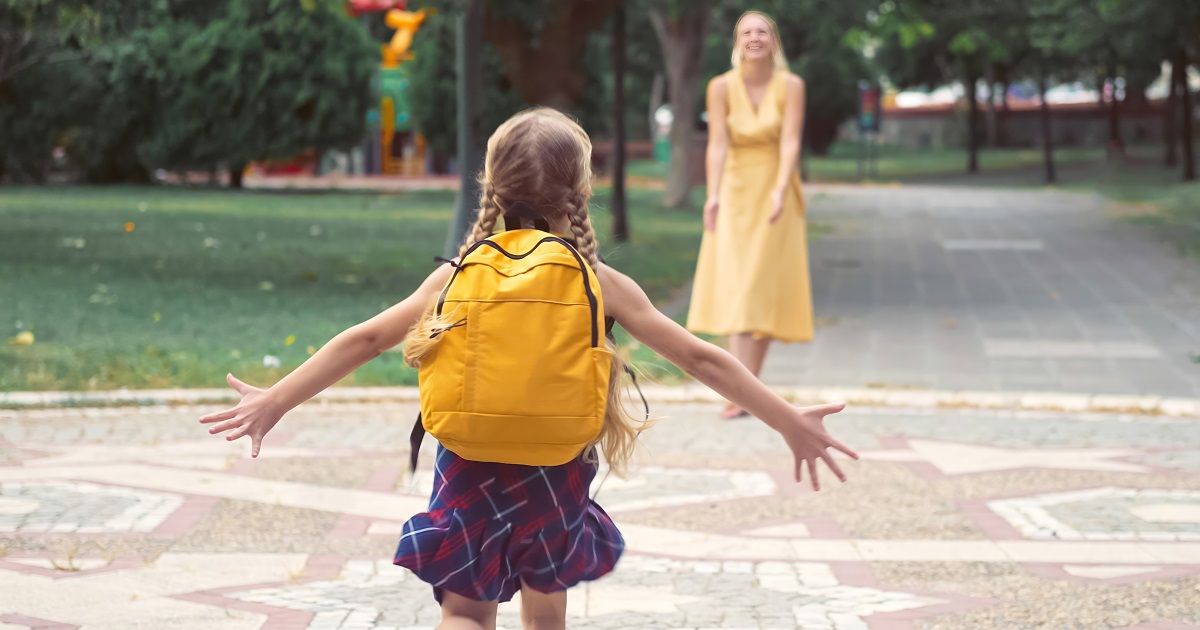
{"x":752,"y":276}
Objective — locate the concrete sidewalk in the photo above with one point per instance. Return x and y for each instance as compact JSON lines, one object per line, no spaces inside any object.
{"x":1001,"y":290}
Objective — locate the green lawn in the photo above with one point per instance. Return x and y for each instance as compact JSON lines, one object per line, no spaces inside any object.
{"x":894,"y":163}
{"x":1155,"y":196}
{"x":211,"y":281}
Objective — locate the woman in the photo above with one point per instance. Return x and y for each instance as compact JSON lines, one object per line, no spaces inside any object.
{"x":752,"y":276}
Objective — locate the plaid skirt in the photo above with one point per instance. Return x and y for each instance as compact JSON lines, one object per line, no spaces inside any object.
{"x":492,"y":527}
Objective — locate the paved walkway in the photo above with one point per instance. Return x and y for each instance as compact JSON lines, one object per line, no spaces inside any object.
{"x":135,"y":518}
{"x":959,"y":288}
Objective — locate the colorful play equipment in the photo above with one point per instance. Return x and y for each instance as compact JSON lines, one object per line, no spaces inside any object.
{"x":401,"y":150}
{"x":398,"y":149}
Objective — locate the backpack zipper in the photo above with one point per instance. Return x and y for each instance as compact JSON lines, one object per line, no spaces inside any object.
{"x":587,"y":287}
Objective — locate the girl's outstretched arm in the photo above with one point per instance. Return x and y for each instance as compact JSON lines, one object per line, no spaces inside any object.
{"x":802,"y":427}
{"x":259,"y":409}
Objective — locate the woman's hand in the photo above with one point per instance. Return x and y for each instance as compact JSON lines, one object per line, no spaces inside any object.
{"x":255,"y":415}
{"x":805,"y":434}
{"x":776,"y":205}
{"x":710,"y":214}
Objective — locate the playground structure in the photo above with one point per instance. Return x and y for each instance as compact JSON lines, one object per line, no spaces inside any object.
{"x":401,"y":151}
{"x":397,"y":149}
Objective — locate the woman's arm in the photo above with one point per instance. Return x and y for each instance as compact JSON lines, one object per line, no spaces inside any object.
{"x":260,"y":409}
{"x":802,"y":428}
{"x":718,"y":147}
{"x":789,"y":142}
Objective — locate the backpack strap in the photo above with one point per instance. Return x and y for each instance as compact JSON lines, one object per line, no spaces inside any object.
{"x":414,"y":442}
{"x":520,"y":210}
{"x":418,"y":431}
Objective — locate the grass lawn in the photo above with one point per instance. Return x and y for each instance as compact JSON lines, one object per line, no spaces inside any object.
{"x":1151,"y":194}
{"x":146,"y":287}
{"x":895,"y":163}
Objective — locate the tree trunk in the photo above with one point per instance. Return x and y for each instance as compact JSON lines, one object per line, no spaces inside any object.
{"x":469,"y":66}
{"x":1189,"y":157}
{"x":972,"y":122}
{"x":1002,"y":127}
{"x":545,"y":67}
{"x":235,"y":176}
{"x":657,"y":98}
{"x":990,"y":127}
{"x":682,"y":41}
{"x":620,"y":219}
{"x":1047,"y":136}
{"x":1170,"y":116}
{"x":1116,"y":146}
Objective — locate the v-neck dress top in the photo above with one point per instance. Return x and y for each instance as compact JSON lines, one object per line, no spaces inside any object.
{"x":752,"y":276}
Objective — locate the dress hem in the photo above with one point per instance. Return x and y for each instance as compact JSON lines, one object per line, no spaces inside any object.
{"x":758,"y":334}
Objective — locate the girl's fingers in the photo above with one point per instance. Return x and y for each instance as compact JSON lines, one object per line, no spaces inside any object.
{"x":238,"y":385}
{"x":833,"y":465}
{"x":812,"y":473}
{"x":833,"y":443}
{"x":255,"y":444}
{"x":238,"y":433}
{"x":799,"y":468}
{"x":828,"y":409}
{"x":218,"y":416}
{"x":232,"y":423}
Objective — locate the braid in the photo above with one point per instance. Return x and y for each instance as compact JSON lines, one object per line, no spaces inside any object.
{"x":581,"y":229}
{"x":489,"y":212}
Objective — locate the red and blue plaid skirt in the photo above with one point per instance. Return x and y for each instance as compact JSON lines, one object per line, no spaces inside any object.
{"x":492,"y":527}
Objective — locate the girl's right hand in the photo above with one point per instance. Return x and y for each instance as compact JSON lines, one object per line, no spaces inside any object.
{"x":710,"y":214}
{"x":255,"y":415}
{"x":805,"y":434}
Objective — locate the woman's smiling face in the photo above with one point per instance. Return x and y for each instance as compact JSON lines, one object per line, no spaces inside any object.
{"x":754,"y":38}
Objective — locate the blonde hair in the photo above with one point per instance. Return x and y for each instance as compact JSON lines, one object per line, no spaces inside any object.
{"x":542,"y":158}
{"x":780,"y":58}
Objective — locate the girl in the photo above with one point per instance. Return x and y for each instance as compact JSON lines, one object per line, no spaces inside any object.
{"x":495,"y":529}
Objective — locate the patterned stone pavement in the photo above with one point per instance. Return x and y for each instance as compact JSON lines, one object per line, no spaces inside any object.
{"x":954,"y":518}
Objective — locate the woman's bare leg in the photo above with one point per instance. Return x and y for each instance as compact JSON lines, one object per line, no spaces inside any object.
{"x":543,"y":611}
{"x":752,"y":352}
{"x":461,"y":613}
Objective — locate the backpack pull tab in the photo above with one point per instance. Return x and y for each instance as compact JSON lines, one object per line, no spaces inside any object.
{"x":520,"y":210}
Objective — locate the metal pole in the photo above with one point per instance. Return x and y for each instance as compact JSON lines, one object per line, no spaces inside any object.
{"x":469,"y":58}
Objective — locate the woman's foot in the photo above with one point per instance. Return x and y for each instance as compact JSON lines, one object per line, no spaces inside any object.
{"x":733,"y":411}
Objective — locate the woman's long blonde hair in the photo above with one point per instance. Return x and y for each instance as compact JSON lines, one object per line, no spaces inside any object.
{"x":778,"y":55}
{"x":542,"y":157}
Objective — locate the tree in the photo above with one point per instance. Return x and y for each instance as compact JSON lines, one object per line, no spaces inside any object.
{"x":1171,"y":116}
{"x":681,"y":27}
{"x":959,"y":40}
{"x":44,"y":86}
{"x":620,"y":216}
{"x":1134,"y":38}
{"x":542,"y":51}
{"x":540,"y":44}
{"x":436,"y":98}
{"x":38,"y":32}
{"x":933,"y":42}
{"x":268,"y":79}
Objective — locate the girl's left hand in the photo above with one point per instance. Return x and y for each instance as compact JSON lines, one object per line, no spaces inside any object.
{"x":255,"y":415}
{"x":776,"y":204}
{"x":806,"y":436}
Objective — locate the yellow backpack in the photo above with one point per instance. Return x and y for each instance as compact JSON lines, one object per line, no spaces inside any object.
{"x":521,"y":377}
